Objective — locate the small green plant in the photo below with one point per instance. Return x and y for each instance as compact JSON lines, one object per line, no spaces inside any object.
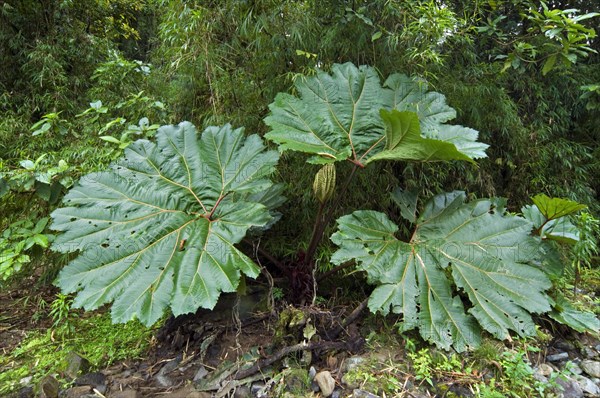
{"x":61,"y":314}
{"x":17,"y":240}
{"x":586,"y":247}
{"x":98,"y":340}
{"x":50,"y":122}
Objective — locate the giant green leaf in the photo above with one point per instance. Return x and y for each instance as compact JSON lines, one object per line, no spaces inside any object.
{"x":158,"y":229}
{"x":404,"y":141}
{"x":473,"y":251}
{"x":337,"y":116}
{"x":553,"y":208}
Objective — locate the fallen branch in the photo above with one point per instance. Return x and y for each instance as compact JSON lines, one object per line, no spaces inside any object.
{"x":285,"y":351}
{"x":348,"y":320}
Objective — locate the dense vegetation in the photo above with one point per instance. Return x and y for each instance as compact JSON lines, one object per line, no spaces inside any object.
{"x":84,"y":80}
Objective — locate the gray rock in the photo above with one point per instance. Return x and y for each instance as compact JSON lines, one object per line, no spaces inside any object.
{"x":128,"y":393}
{"x":336,"y":393}
{"x":564,"y":345}
{"x":570,"y":388}
{"x":558,"y":357}
{"x":163,"y":380}
{"x":95,"y":379}
{"x":201,"y":373}
{"x":48,"y":387}
{"x":161,"y":377}
{"x":312,"y":372}
{"x":25,"y":392}
{"x":589,"y":352}
{"x":573,"y":368}
{"x":25,"y":381}
{"x":545,"y":369}
{"x":326,"y":383}
{"x":257,"y":389}
{"x":597,"y":348}
{"x":76,"y":365}
{"x":172,"y":364}
{"x":353,"y":363}
{"x":358,"y":393}
{"x":242,"y":392}
{"x":349,"y":382}
{"x":588,"y":386}
{"x":591,"y":367}
{"x":78,"y":391}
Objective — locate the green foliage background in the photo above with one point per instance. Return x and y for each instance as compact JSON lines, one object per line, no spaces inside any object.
{"x":219,"y":62}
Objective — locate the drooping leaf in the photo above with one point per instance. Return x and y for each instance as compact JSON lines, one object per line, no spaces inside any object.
{"x":559,"y":229}
{"x":582,"y":321}
{"x":407,"y":202}
{"x":158,"y":229}
{"x":553,"y":208}
{"x":404,"y":141}
{"x":475,"y":248}
{"x":337,"y":116}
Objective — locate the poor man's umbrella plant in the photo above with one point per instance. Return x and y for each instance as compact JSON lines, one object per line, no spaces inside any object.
{"x":158,"y":231}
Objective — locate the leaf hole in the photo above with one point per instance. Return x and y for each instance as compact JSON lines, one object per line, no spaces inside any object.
{"x":105,"y":245}
{"x":72,"y":219}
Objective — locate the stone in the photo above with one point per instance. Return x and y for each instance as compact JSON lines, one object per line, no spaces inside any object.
{"x":573,"y":368}
{"x":25,"y":392}
{"x":588,"y":386}
{"x":76,"y":365}
{"x":242,"y":392}
{"x":589,"y":352}
{"x":570,"y":388}
{"x":545,"y":369}
{"x":200,"y":394}
{"x":558,"y":357}
{"x":171,"y":365}
{"x":201,"y":373}
{"x":326,"y":383}
{"x":95,"y":379}
{"x":312,"y":372}
{"x":350,"y":382}
{"x":592,"y":368}
{"x":78,"y":391}
{"x":48,"y":387}
{"x":128,"y":393}
{"x":257,"y":389}
{"x":564,"y":345}
{"x":353,"y":363}
{"x":25,"y":381}
{"x":337,"y":393}
{"x":358,"y":393}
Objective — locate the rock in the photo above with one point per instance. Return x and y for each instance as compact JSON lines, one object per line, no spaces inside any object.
{"x":95,"y":379}
{"x":257,"y":389}
{"x":545,"y":369}
{"x":295,"y":381}
{"x":558,"y":357}
{"x":570,"y":388}
{"x":588,"y":386}
{"x":200,"y":394}
{"x":312,"y":372}
{"x":597,"y":348}
{"x":353,"y":363}
{"x":326,"y":383}
{"x":163,"y":381}
{"x":337,"y":393}
{"x":161,"y":377}
{"x":76,"y":365}
{"x":25,"y":381}
{"x":25,"y":392}
{"x":201,"y":373}
{"x":128,"y":393}
{"x":573,"y":368}
{"x":589,"y":352}
{"x":357,"y":393}
{"x":591,"y":367}
{"x":78,"y":391}
{"x":564,"y":345}
{"x":48,"y":387}
{"x":242,"y":392}
{"x":350,"y":382}
{"x":171,"y":365}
